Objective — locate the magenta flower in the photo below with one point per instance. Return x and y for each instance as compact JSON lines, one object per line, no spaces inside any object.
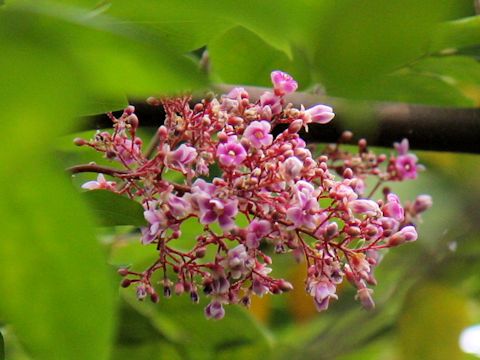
{"x":179,"y":207}
{"x":393,"y":208}
{"x":231,"y":153}
{"x":238,"y":262}
{"x":406,"y":166}
{"x":257,"y":230}
{"x":258,"y":133}
{"x":303,"y":213}
{"x":319,"y":114}
{"x":283,"y":83}
{"x":181,"y":157}
{"x":158,"y":222}
{"x":101,"y":183}
{"x":212,"y":209}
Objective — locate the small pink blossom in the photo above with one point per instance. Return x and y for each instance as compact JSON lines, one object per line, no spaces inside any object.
{"x":271,"y":103}
{"x":213,"y":209}
{"x":319,"y":114}
{"x":257,"y":229}
{"x":365,"y":206}
{"x":158,"y":222}
{"x":231,"y":153}
{"x":283,"y":83}
{"x":238,"y":262}
{"x":101,"y":183}
{"x":291,"y":168}
{"x":406,"y":166}
{"x":422,"y":203}
{"x":215,"y":311}
{"x":406,"y":234}
{"x":258,"y":133}
{"x":393,"y":208}
{"x":181,"y":157}
{"x":322,"y":292}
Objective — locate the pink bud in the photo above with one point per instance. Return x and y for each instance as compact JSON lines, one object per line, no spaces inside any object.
{"x":283,"y":83}
{"x":320,"y":114}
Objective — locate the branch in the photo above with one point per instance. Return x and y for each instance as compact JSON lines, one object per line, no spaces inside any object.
{"x":382,"y":124}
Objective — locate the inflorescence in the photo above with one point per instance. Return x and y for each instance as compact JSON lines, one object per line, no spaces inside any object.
{"x":313,"y":207}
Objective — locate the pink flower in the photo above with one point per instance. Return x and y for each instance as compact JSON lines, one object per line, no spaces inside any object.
{"x":158,"y":222}
{"x":365,"y":206}
{"x":272,"y":102}
{"x":303,"y":213}
{"x":238,"y":262}
{"x":402,"y":147}
{"x":393,"y":208}
{"x":231,"y":153}
{"x":101,"y":183}
{"x":406,"y":166}
{"x":406,"y":234}
{"x":258,"y":133}
{"x":422,"y":203}
{"x":322,"y":292}
{"x":257,"y":229}
{"x":319,"y":114}
{"x":283,"y":83}
{"x":214,"y":310}
{"x":179,"y":207}
{"x":212,"y":209}
{"x":291,"y":168}
{"x":184,"y":155}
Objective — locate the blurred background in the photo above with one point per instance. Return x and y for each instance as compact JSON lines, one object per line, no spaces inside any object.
{"x":66,"y":61}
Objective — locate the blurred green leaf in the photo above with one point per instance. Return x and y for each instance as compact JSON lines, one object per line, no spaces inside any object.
{"x":183,"y":30}
{"x":112,"y":209}
{"x":454,"y":35}
{"x":237,"y":336}
{"x":360,"y":41}
{"x":241,"y":57}
{"x":431,"y":324}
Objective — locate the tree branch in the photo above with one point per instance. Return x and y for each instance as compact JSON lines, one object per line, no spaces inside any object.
{"x":426,"y":127}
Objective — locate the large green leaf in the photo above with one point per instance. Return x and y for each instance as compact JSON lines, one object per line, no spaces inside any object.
{"x":360,"y":41}
{"x":241,"y":57}
{"x":112,"y":209}
{"x":61,"y":300}
{"x":454,"y":35}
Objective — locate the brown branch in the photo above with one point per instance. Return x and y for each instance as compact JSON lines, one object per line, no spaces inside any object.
{"x":382,"y":124}
{"x":94,"y":168}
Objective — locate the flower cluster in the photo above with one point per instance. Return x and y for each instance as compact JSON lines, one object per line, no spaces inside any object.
{"x":233,"y":167}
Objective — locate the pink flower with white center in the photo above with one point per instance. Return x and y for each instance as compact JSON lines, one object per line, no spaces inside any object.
{"x":406,"y":166}
{"x":101,"y":183}
{"x":231,"y":153}
{"x":406,"y":234}
{"x":258,"y":133}
{"x":181,"y":157}
{"x":291,"y":168}
{"x":364,"y":206}
{"x":271,"y":101}
{"x":322,"y":291}
{"x":212,"y":209}
{"x":283,"y":83}
{"x":393,"y":208}
{"x":319,"y":114}
{"x":257,"y":230}
{"x":215,"y":310}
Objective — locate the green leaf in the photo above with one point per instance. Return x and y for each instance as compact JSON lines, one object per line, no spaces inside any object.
{"x":183,"y":30}
{"x":107,"y":58}
{"x":360,"y":41}
{"x":241,"y":57}
{"x":113,"y":209}
{"x":237,"y":336}
{"x":454,"y":35}
{"x":57,"y":288}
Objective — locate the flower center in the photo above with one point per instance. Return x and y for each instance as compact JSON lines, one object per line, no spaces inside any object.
{"x":232,"y":153}
{"x":259,"y":134}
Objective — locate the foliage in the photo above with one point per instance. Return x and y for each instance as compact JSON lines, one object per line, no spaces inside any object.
{"x":62,"y":59}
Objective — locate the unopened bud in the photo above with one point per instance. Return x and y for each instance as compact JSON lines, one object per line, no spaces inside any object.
{"x":80,"y":142}
{"x":123,"y":272}
{"x":295,"y":126}
{"x":125,"y":283}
